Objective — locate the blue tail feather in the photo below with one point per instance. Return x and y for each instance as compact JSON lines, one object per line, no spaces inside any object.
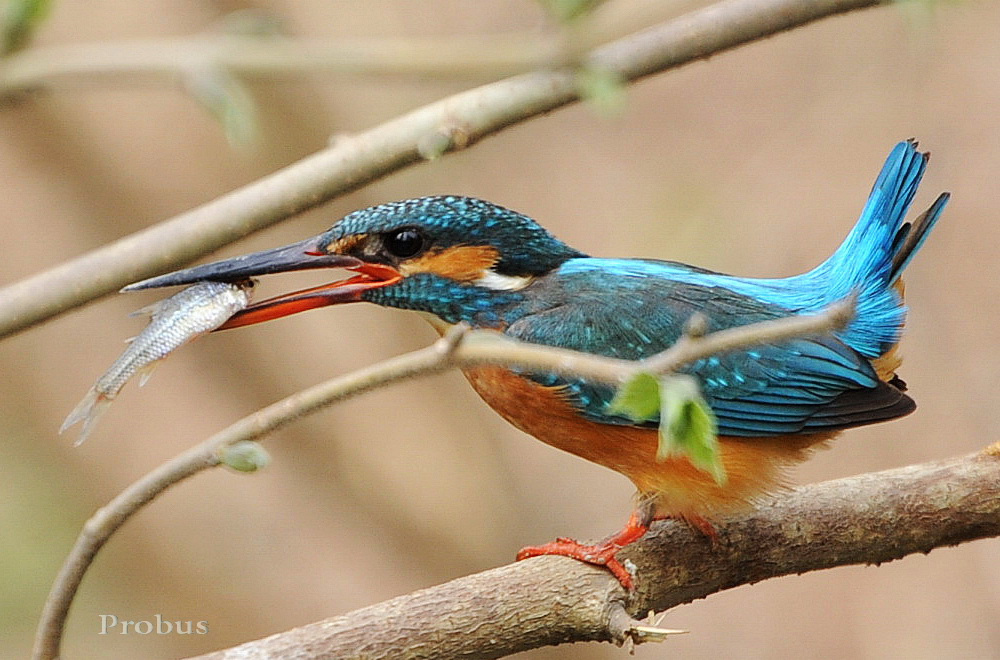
{"x":911,"y":239}
{"x":876,"y":252}
{"x":865,"y":256}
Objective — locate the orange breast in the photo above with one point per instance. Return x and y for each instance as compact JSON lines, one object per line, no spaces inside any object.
{"x":754,"y":466}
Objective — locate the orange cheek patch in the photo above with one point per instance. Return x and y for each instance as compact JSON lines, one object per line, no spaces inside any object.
{"x":463,"y":263}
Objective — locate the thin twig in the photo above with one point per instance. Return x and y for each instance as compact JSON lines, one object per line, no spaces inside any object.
{"x":461,"y":348}
{"x":480,"y":347}
{"x":109,"y":518}
{"x":480,"y":56}
{"x":693,"y":347}
{"x":483,"y":56}
{"x":354,"y":161}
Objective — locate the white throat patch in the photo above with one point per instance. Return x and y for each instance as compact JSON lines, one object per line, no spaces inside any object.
{"x":494,"y":280}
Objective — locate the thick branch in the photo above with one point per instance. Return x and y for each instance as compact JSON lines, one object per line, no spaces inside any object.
{"x":354,"y":161}
{"x":871,"y":518}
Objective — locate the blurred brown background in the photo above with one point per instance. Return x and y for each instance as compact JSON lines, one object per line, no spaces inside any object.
{"x":754,"y":162}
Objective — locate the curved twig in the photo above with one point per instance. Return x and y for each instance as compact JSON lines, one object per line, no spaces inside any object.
{"x":247,"y":54}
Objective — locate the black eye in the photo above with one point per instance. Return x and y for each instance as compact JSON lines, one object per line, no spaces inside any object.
{"x":404,"y":243}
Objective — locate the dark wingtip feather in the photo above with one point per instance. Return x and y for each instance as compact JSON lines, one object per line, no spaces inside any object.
{"x":910,"y":237}
{"x":862,"y":407}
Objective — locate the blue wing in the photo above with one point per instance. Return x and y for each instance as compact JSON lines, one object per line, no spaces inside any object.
{"x":867,"y":263}
{"x":802,"y":385}
{"x":632,"y":308}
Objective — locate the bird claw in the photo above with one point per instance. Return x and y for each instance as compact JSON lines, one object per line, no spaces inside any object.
{"x":599,"y":555}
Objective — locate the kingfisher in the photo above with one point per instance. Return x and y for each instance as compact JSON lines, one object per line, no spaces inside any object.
{"x":464,"y":260}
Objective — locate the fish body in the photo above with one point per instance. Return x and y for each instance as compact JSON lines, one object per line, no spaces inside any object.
{"x":174,"y":321}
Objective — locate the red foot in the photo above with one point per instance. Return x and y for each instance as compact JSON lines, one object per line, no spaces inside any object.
{"x":601,"y":554}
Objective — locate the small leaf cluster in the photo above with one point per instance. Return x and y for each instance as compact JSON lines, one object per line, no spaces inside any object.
{"x":687,"y":424}
{"x":18,"y":21}
{"x":245,"y":456}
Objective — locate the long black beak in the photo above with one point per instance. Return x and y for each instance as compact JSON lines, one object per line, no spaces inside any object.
{"x":303,"y":255}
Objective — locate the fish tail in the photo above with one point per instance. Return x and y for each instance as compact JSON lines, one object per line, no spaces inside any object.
{"x":875,"y":252}
{"x":87,"y":411}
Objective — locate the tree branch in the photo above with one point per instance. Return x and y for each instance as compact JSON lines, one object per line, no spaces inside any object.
{"x":351,"y":162}
{"x":248,"y":53}
{"x":867,"y":519}
{"x":461,"y":347}
{"x":254,"y":54}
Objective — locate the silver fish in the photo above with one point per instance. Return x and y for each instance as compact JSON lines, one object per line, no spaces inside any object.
{"x":174,"y":321}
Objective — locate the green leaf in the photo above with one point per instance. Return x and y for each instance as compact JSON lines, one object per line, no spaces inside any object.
{"x":18,"y":22}
{"x":687,"y":426}
{"x":687,"y":423}
{"x":638,"y":399}
{"x":245,"y":456}
{"x":229,"y":101}
{"x":433,"y":145}
{"x":602,"y":89}
{"x":252,"y":22}
{"x":566,"y":11}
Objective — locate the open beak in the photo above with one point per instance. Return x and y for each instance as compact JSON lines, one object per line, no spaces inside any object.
{"x":304,"y":255}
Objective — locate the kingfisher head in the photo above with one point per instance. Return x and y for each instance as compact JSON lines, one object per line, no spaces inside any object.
{"x":458,"y":258}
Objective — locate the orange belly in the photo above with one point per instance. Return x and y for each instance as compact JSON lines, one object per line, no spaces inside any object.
{"x":754,"y":466}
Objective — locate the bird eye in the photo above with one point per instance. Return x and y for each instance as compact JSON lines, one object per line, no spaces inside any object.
{"x":404,"y":243}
